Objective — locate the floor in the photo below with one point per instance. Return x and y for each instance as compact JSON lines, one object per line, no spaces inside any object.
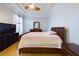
{"x":12,"y":51}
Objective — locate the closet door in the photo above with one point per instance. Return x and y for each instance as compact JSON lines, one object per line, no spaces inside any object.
{"x":19,"y":24}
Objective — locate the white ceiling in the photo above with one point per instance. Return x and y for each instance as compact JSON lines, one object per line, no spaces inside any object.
{"x":45,"y":9}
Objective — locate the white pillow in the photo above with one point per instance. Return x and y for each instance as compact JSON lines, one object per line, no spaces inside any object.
{"x":52,"y":33}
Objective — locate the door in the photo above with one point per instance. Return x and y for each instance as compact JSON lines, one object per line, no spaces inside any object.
{"x":19,"y":24}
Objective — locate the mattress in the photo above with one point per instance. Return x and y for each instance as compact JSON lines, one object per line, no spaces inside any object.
{"x":40,"y":39}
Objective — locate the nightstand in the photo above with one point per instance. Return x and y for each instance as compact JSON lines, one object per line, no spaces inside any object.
{"x":35,"y":30}
{"x":70,"y":49}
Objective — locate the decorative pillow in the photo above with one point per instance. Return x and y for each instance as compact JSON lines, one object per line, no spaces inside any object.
{"x":52,"y":33}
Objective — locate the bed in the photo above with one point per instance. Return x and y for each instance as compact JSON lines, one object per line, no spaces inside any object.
{"x":42,"y":42}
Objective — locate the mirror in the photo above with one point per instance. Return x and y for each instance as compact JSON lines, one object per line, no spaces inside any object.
{"x":36,"y":25}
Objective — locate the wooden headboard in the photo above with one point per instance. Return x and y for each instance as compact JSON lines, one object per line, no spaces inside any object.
{"x":60,"y":31}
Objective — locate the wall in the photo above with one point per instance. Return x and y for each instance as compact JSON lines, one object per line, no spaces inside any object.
{"x":6,"y":15}
{"x":28,"y":23}
{"x":66,"y":15}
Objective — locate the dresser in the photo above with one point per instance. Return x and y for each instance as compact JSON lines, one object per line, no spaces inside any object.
{"x":7,"y":39}
{"x":35,"y":30}
{"x":8,"y":35}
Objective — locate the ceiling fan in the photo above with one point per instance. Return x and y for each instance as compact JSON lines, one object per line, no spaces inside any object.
{"x":32,"y":6}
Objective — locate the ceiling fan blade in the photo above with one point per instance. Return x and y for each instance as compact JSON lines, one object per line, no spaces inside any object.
{"x":37,"y":8}
{"x":26,"y":7}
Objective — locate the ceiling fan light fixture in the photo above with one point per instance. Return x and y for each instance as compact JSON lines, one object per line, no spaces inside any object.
{"x":32,"y":6}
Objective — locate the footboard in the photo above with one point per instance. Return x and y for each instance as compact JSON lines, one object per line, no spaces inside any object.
{"x":42,"y":50}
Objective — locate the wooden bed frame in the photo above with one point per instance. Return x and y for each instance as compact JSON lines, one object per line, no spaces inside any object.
{"x":60,"y":31}
{"x":43,"y":50}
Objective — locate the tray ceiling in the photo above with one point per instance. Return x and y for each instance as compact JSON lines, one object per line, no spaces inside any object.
{"x":45,"y":9}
